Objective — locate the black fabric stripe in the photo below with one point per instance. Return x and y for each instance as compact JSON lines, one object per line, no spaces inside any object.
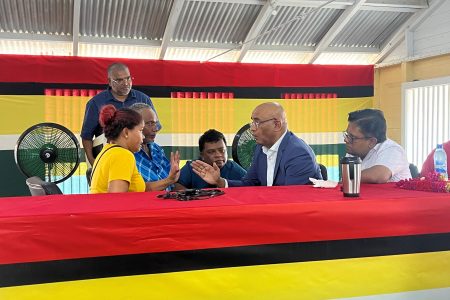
{"x":152,"y":263}
{"x":30,"y":88}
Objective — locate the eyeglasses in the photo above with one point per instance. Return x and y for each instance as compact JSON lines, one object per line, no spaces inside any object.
{"x":151,"y":124}
{"x":122,"y":80}
{"x":258,"y":123}
{"x":350,"y":138}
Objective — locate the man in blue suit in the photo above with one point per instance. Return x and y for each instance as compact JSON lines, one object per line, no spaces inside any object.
{"x":280,"y":158}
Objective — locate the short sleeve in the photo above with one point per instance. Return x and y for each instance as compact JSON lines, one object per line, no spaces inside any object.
{"x":122,"y":166}
{"x":393,"y":159}
{"x":90,"y":121}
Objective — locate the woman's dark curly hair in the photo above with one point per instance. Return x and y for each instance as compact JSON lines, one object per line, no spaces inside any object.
{"x":115,"y":120}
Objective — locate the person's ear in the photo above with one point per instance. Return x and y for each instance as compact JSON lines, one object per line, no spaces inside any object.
{"x":201,"y":156}
{"x":372,"y":142}
{"x":125,"y":132}
{"x":277,"y":125}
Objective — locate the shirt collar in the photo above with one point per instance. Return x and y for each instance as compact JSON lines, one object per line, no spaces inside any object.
{"x":130,"y":95}
{"x":275,"y":146}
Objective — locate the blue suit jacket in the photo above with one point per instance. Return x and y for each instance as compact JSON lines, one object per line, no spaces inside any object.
{"x":295,"y":163}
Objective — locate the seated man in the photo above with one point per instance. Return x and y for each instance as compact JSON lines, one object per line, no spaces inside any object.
{"x":213,"y":150}
{"x":428,"y":165}
{"x":383,"y":160}
{"x":280,"y":157}
{"x":151,"y":160}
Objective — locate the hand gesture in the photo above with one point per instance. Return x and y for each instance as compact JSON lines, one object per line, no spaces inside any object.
{"x":174,"y":172}
{"x":210,"y":174}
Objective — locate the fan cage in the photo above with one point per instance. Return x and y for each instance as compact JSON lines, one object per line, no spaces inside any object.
{"x":243,"y":147}
{"x":49,"y":151}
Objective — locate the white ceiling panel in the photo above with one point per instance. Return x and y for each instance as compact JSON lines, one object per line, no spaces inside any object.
{"x":280,"y":31}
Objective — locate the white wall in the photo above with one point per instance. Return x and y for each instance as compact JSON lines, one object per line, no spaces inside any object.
{"x":430,"y":38}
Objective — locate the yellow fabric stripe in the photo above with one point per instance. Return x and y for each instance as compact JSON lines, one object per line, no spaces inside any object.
{"x":309,"y":280}
{"x":182,"y":115}
{"x":20,"y":112}
{"x":228,"y":115}
{"x":329,"y":160}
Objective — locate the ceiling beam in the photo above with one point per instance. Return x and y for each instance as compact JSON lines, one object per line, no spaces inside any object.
{"x":76,"y":26}
{"x":378,"y":5}
{"x":252,"y":34}
{"x":174,"y":15}
{"x":119,"y":41}
{"x":205,"y":45}
{"x":382,"y":5}
{"x":286,"y":48}
{"x":35,"y":37}
{"x":411,"y":24}
{"x":337,"y":27}
{"x":250,"y":2}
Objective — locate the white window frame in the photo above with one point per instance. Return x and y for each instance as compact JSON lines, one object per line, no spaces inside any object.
{"x":425,"y":117}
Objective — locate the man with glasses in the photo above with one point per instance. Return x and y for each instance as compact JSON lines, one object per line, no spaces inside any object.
{"x":280,"y":158}
{"x":120,"y":94}
{"x":383,"y":160}
{"x":213,"y":150}
{"x":151,"y":160}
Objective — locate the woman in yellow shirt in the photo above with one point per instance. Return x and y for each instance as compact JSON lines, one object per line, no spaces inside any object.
{"x":114,"y":170}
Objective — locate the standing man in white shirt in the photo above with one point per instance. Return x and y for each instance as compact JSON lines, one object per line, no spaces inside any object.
{"x":383,"y":160}
{"x":280,"y":158}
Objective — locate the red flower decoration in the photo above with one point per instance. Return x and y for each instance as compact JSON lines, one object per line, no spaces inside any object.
{"x":432,"y":182}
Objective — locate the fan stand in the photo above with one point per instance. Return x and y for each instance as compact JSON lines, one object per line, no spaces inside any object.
{"x":48,"y":154}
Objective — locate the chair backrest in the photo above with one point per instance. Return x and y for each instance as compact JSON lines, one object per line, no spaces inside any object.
{"x":414,"y":171}
{"x":39,"y":187}
{"x":324,"y":172}
{"x":88,"y":176}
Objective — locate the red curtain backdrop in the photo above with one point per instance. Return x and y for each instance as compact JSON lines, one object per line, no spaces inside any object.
{"x":57,"y":69}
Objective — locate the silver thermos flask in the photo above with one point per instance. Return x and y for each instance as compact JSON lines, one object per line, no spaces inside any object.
{"x":351,"y":176}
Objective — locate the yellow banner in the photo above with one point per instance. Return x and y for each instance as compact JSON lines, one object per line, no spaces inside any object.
{"x":183,"y":115}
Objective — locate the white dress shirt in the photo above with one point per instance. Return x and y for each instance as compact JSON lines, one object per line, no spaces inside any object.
{"x":392,"y":156}
{"x":271,"y":154}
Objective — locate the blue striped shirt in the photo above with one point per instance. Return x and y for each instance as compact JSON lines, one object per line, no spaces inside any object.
{"x":153,"y":168}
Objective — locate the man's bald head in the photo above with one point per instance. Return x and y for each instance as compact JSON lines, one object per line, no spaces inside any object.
{"x":271,"y":110}
{"x":269,"y":123}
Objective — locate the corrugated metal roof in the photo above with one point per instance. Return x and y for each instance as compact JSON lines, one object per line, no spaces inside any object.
{"x":201,"y":29}
{"x":369,"y":29}
{"x":190,"y":54}
{"x":105,"y":50}
{"x":306,"y":31}
{"x":215,"y":22}
{"x":138,"y":19}
{"x":277,"y":57}
{"x":38,"y":17}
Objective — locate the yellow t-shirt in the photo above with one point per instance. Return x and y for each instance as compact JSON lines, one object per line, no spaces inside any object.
{"x":116,"y":164}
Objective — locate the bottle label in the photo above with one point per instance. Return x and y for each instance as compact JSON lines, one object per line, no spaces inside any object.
{"x":440,"y":170}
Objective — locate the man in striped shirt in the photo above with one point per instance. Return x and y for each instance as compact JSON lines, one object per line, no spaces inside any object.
{"x":151,"y":160}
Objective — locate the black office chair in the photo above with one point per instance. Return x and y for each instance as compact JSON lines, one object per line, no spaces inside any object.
{"x":39,"y":187}
{"x":88,"y":176}
{"x":324,"y":172}
{"x":414,"y":171}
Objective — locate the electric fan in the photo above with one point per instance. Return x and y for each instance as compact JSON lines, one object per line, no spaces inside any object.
{"x":49,"y":151}
{"x":243,"y":147}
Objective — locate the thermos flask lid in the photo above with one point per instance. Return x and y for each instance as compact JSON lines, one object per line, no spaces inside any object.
{"x":351,"y":160}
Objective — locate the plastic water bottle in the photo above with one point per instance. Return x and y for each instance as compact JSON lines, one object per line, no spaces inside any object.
{"x":440,"y":161}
